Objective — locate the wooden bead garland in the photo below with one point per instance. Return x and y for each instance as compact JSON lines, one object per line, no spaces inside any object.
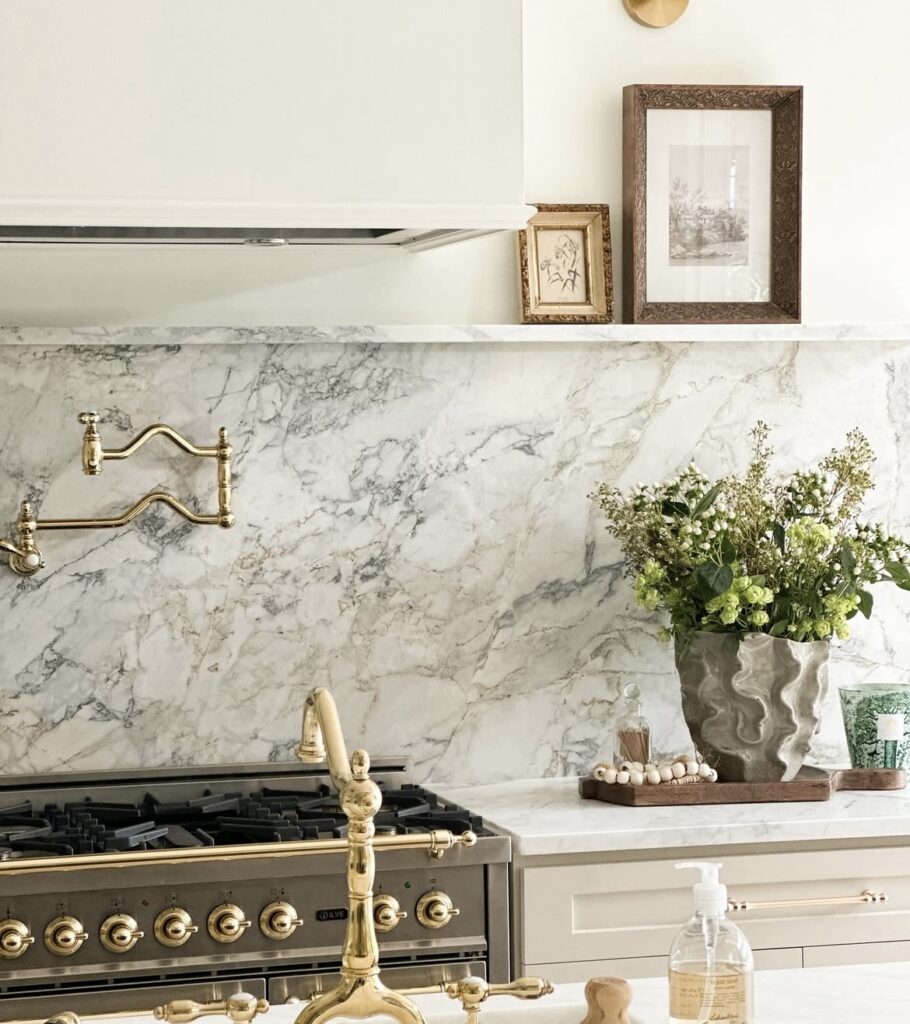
{"x":682,"y":771}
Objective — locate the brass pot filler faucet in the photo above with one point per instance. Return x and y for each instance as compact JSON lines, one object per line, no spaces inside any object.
{"x":25,"y":558}
{"x":359,"y":995}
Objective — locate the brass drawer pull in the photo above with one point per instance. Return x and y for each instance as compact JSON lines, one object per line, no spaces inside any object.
{"x":866,"y":896}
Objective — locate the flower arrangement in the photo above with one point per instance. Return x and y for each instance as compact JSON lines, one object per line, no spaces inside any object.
{"x":750,"y":554}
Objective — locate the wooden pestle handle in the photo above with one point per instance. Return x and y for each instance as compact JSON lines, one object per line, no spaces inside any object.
{"x":608,"y":1001}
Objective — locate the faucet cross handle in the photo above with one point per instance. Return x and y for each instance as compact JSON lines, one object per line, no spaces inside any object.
{"x":472,"y":991}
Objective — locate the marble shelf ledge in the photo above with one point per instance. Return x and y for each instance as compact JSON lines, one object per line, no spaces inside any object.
{"x":546,"y":817}
{"x":419,"y":334}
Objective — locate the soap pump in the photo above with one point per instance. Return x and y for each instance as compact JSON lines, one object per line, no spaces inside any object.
{"x":710,"y":959}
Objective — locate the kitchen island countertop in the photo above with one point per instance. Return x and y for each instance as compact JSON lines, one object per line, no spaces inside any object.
{"x":829,"y":995}
{"x":547,"y":816}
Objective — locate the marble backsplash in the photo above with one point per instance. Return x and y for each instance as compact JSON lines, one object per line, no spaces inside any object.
{"x":413,"y":530}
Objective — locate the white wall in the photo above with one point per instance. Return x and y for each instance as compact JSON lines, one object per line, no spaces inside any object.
{"x":850,"y":56}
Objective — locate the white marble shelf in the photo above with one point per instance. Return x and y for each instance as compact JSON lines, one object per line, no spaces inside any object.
{"x":417,"y":334}
{"x":547,"y":816}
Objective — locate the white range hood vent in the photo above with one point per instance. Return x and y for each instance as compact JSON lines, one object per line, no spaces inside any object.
{"x":223,"y":122}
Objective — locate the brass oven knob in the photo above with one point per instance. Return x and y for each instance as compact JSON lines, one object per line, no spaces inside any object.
{"x":387,"y":913}
{"x":64,"y":935}
{"x":119,"y":933}
{"x":173,"y":927}
{"x":15,"y":938}
{"x":279,"y":920}
{"x":435,"y":909}
{"x":227,"y":923}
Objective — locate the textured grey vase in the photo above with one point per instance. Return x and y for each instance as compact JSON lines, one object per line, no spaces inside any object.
{"x":752,"y":703}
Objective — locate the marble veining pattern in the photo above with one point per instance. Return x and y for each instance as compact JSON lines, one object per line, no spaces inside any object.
{"x":413,"y":531}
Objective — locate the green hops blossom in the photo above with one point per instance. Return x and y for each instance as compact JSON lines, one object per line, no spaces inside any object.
{"x":759,"y":618}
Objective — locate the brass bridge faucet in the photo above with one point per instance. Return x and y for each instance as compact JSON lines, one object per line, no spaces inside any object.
{"x":25,"y":558}
{"x":360,"y":993}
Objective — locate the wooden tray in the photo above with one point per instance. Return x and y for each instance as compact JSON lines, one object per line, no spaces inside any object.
{"x":810,"y":784}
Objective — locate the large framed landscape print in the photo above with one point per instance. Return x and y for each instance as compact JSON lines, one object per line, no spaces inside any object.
{"x":712,"y":178}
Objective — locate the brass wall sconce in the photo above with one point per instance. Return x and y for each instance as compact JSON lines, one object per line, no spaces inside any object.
{"x":656,"y":13}
{"x":25,"y":558}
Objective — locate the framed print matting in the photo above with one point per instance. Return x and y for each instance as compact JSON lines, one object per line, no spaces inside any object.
{"x":712,"y":178}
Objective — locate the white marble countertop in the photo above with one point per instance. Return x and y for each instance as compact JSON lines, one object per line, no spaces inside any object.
{"x":829,"y":995}
{"x":547,"y":816}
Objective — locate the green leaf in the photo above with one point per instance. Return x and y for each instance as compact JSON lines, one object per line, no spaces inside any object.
{"x":779,"y":628}
{"x":727,"y":549}
{"x":865,"y":603}
{"x":707,"y":501}
{"x":710,"y":580}
{"x":899,"y":574}
{"x":846,"y":558}
{"x":673,"y":508}
{"x":780,"y":536}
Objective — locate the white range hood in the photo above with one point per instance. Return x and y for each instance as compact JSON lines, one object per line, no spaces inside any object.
{"x":318,"y":122}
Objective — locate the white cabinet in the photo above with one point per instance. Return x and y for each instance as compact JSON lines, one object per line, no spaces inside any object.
{"x":619,"y":917}
{"x":231,"y":113}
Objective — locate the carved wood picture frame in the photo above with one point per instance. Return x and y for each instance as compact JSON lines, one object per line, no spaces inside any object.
{"x":780,"y":302}
{"x":546,"y":297}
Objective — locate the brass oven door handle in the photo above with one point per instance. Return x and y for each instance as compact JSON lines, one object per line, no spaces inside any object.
{"x":866,"y":896}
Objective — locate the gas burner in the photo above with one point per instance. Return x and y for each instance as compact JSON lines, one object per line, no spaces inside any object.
{"x":266,"y":815}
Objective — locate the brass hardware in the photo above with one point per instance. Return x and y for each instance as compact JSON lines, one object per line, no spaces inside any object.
{"x":279,"y":920}
{"x":15,"y":938}
{"x":24,"y":557}
{"x":471,"y":992}
{"x":866,"y":896}
{"x":387,"y":913}
{"x":119,"y":933}
{"x":435,"y":843}
{"x":174,"y":927}
{"x":360,"y":994}
{"x":227,"y":923}
{"x":64,"y":935}
{"x":656,"y":13}
{"x":239,"y":1007}
{"x":435,"y":909}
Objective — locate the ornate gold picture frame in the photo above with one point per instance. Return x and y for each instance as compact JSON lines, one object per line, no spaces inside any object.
{"x":712,"y":181}
{"x":567,"y":265}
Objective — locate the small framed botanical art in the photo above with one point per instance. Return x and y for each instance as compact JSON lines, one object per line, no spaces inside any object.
{"x":567,"y":266}
{"x":712,"y":179}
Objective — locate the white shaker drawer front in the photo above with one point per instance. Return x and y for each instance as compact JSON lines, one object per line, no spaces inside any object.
{"x":629,"y":910}
{"x":646,"y":966}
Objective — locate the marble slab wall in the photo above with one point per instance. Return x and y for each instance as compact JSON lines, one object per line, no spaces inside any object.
{"x":413,"y":531}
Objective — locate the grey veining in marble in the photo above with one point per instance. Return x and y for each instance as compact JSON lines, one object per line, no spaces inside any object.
{"x":413,"y":531}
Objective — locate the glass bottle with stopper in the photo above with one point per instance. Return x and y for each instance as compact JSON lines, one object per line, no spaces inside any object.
{"x":632,"y":734}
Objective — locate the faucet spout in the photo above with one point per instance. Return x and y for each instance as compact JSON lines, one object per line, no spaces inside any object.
{"x":321,"y":738}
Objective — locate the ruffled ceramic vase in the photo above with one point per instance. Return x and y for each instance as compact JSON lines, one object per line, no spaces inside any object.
{"x":752,"y":703}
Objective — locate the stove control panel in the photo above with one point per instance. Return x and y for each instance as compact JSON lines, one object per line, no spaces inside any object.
{"x":435,"y":909}
{"x":174,"y":927}
{"x":227,"y":923}
{"x":119,"y":933}
{"x":64,"y":935}
{"x":15,"y":938}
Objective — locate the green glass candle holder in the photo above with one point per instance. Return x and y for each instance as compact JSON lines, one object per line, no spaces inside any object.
{"x":877,"y":723}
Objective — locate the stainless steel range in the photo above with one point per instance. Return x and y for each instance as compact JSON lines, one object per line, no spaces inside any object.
{"x":123,"y":892}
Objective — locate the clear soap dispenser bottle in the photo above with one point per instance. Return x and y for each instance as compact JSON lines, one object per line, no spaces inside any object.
{"x":710,"y":960}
